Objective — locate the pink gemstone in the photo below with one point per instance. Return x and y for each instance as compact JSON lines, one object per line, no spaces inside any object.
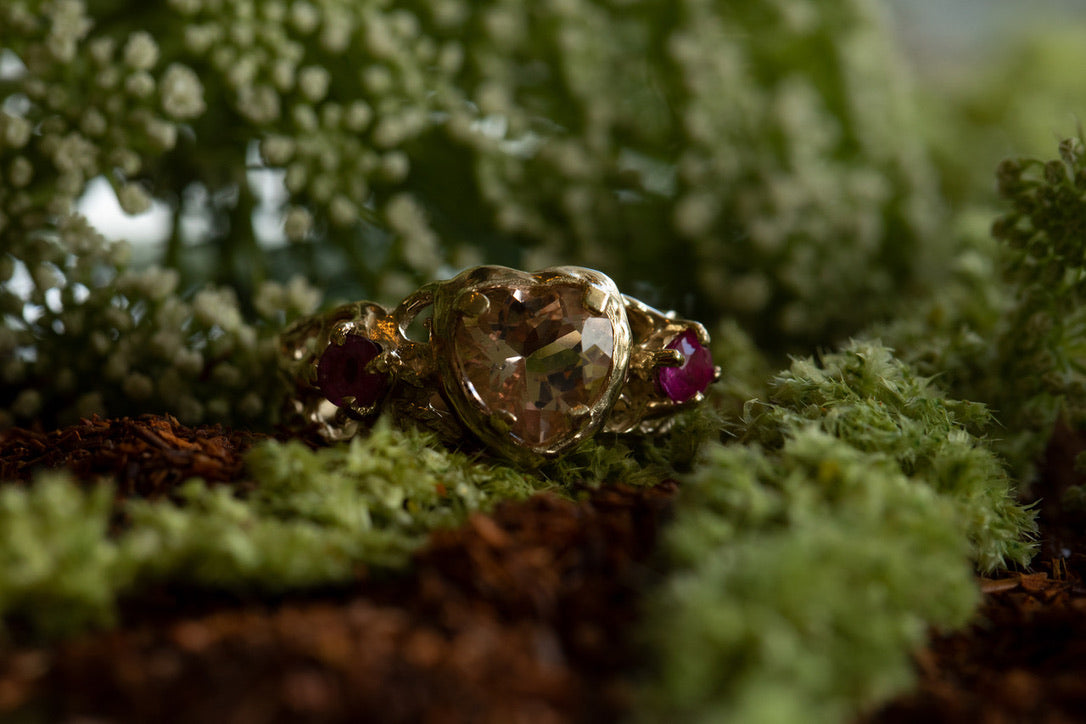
{"x":341,"y":372}
{"x":694,"y":375}
{"x":538,"y":355}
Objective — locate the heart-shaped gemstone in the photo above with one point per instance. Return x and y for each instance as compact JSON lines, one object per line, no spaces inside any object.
{"x":535,"y":356}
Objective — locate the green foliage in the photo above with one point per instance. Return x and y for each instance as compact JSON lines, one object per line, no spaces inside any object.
{"x":58,"y":569}
{"x":810,"y":555}
{"x":1009,"y":332}
{"x":313,"y":518}
{"x":876,"y":403}
{"x":1040,"y":351}
{"x":800,"y":578}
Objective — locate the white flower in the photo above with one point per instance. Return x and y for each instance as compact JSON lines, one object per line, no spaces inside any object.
{"x":304,"y":17}
{"x":259,"y":103}
{"x":358,"y":116}
{"x":140,"y":84}
{"x":14,"y":130}
{"x":182,"y":93}
{"x":277,"y":150}
{"x":133,"y":199}
{"x":141,"y":51}
{"x":163,"y":133}
{"x":341,"y":211}
{"x":313,"y":82}
{"x":297,"y":223}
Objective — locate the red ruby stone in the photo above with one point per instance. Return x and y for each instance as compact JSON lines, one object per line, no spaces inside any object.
{"x":341,"y":372}
{"x":694,"y":375}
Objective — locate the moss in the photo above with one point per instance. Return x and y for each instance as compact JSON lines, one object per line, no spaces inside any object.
{"x":58,"y":569}
{"x":866,"y":397}
{"x":808,"y":556}
{"x":800,"y":578}
{"x":314,"y":517}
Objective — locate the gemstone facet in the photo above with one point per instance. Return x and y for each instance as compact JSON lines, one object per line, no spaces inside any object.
{"x":341,"y":372}
{"x":694,"y":375}
{"x":536,"y":358}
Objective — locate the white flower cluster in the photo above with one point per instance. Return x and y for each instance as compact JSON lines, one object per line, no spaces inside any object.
{"x":683,"y":149}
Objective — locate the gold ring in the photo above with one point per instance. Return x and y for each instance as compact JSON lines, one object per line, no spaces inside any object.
{"x":529,"y":363}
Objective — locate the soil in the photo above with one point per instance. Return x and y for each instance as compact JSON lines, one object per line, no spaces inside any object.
{"x":522,"y":615}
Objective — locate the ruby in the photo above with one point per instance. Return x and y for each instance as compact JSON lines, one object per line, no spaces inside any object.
{"x":695,"y":373}
{"x":341,"y":372}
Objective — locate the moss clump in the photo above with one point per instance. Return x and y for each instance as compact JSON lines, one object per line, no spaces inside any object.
{"x":804,"y":555}
{"x":873,"y":401}
{"x":799,"y":580}
{"x":313,"y":518}
{"x":57,"y":566}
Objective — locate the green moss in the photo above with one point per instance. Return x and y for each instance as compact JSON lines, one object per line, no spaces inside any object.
{"x":866,"y":397}
{"x":313,"y":518}
{"x":58,"y":569}
{"x":800,"y":579}
{"x":808,"y":556}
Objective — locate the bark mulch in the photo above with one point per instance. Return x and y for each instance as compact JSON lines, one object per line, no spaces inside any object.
{"x":524,"y":615}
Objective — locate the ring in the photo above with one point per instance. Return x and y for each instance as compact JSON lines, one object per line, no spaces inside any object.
{"x":529,"y":363}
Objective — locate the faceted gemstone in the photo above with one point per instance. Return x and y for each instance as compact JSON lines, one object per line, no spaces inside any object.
{"x":341,"y":372}
{"x":537,"y":354}
{"x":694,"y":375}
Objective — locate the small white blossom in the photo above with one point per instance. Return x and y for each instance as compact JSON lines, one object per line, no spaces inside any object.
{"x":297,"y":223}
{"x":162,"y":133}
{"x":101,"y":50}
{"x":259,"y":103}
{"x":283,"y":74}
{"x":69,"y":26}
{"x":358,"y":116}
{"x":313,"y":82}
{"x":395,"y":166}
{"x":133,"y":199}
{"x":182,"y":93}
{"x":200,"y":38}
{"x":302,"y":297}
{"x":217,"y":308}
{"x":277,"y":150}
{"x":15,"y":130}
{"x":341,"y":211}
{"x":296,"y":178}
{"x":140,"y":84}
{"x":336,"y":32}
{"x":141,"y":51}
{"x":127,"y":161}
{"x":93,"y":123}
{"x":304,"y":16}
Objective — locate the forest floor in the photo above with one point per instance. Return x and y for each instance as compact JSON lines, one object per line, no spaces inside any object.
{"x":523,"y":615}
